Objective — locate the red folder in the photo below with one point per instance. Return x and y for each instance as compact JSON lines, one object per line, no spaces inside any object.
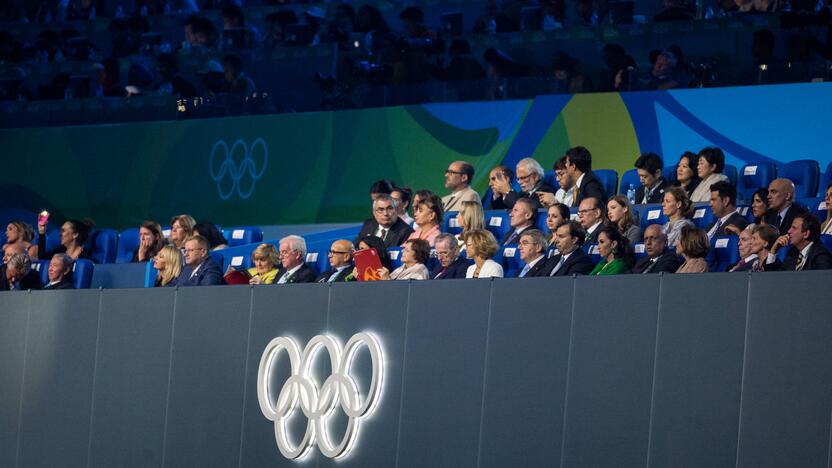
{"x":237,"y":277}
{"x":367,"y":264}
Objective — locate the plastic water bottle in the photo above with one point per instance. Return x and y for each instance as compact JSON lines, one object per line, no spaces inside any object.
{"x":631,"y":194}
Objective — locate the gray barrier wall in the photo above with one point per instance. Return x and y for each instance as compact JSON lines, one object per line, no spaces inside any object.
{"x":712,"y":370}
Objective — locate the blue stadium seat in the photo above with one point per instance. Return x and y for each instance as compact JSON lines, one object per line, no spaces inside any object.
{"x":314,"y":259}
{"x":42,"y":267}
{"x":754,"y":176}
{"x":651,"y":214}
{"x":550,"y":178}
{"x":498,"y":222}
{"x":731,"y":172}
{"x":703,"y":216}
{"x":128,"y":243}
{"x":805,"y":173}
{"x":104,"y":250}
{"x":816,"y":206}
{"x":239,"y":261}
{"x":53,"y":240}
{"x":592,"y":251}
{"x":781,"y":253}
{"x":243,"y":235}
{"x":540,"y":223}
{"x":669,"y":173}
{"x":827,"y":179}
{"x":826,"y":239}
{"x":629,"y":177}
{"x":82,"y":273}
{"x":745,"y":210}
{"x":450,"y":223}
{"x":725,"y":252}
{"x":511,"y":260}
{"x":218,"y":257}
{"x":609,"y":179}
{"x":395,"y":254}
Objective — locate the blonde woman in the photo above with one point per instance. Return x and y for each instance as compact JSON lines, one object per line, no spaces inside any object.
{"x":266,"y":261}
{"x":168,"y":264}
{"x":181,"y":228}
{"x":481,"y":247}
{"x":470,"y":217}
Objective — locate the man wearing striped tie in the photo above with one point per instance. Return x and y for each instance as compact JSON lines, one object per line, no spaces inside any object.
{"x":806,"y":251}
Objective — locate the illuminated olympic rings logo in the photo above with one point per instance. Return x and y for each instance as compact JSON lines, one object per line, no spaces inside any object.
{"x":316,"y":401}
{"x":231,"y":177}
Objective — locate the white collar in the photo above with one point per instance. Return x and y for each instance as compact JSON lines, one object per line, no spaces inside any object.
{"x":782,"y":213}
{"x":578,"y":182}
{"x":805,"y":250}
{"x":724,"y":219}
{"x":535,"y":261}
{"x":593,"y":227}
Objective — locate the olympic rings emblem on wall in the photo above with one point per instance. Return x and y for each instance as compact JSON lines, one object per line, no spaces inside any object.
{"x":316,"y":401}
{"x":232,"y":176}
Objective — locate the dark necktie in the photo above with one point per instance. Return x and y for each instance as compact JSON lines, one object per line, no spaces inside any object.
{"x":800,"y":260}
{"x":441,"y":273}
{"x":650,"y":266}
{"x":511,"y":238}
{"x":383,"y":234}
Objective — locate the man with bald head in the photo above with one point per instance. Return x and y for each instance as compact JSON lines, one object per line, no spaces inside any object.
{"x":591,"y":215}
{"x":658,"y":258}
{"x":458,"y":178}
{"x":781,"y":206}
{"x":340,"y":263}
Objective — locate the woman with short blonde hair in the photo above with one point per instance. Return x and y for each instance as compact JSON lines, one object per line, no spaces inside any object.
{"x":266,"y":261}
{"x":481,"y":247}
{"x":168,"y":264}
{"x":181,"y":228}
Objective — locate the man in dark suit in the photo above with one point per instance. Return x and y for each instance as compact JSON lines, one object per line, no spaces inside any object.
{"x":522,"y":217}
{"x":724,"y":207}
{"x":591,"y":216}
{"x":806,"y":251}
{"x":385,"y":223}
{"x":781,"y":206}
{"x":649,"y":167}
{"x":658,"y":258}
{"x":530,"y":177}
{"x":200,"y":269}
{"x":532,"y":248}
{"x":340,"y":263}
{"x":17,"y":274}
{"x":451,"y":265}
{"x":60,"y":272}
{"x":579,"y":167}
{"x":293,"y":268}
{"x":571,"y":260}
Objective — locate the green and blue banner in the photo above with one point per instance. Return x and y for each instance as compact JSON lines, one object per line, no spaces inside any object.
{"x":318,"y":167}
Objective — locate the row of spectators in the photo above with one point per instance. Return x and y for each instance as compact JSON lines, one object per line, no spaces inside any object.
{"x":778,"y":222}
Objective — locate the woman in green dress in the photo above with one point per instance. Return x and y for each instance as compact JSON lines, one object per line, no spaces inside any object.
{"x":615,"y":252}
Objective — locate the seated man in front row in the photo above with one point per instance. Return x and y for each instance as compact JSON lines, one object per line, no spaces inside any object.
{"x":385,"y":223}
{"x":658,"y":258}
{"x":60,"y":272}
{"x":293,"y":268}
{"x":806,"y":251}
{"x":532,"y":248}
{"x":200,"y":269}
{"x":17,"y":274}
{"x":451,"y":265}
{"x":569,"y":237}
{"x":340,"y":262}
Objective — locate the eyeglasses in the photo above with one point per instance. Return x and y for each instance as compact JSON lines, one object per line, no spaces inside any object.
{"x":335,"y":252}
{"x":526,"y":242}
{"x":587,"y":211}
{"x":448,"y":171}
{"x":525,"y":177}
{"x":440,"y":253}
{"x":384,"y":209}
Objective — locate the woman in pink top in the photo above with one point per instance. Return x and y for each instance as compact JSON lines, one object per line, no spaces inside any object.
{"x":427,"y":213}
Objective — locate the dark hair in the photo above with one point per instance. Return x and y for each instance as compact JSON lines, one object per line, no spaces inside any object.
{"x":725,"y":189}
{"x":560,"y":164}
{"x":762,"y":193}
{"x":681,"y":196}
{"x":575,"y":230}
{"x":811,"y":224}
{"x":382,"y":186}
{"x":209,"y":231}
{"x":234,"y":12}
{"x":433,"y":203}
{"x":580,"y":157}
{"x":506,"y":171}
{"x":407,"y":194}
{"x":694,"y":241}
{"x":564,"y":211}
{"x":692,"y":158}
{"x":377,"y":244}
{"x":468,"y":170}
{"x":81,"y":228}
{"x":233,"y":60}
{"x":623,"y":250}
{"x":421,"y":250}
{"x":650,"y":162}
{"x":156,"y":229}
{"x":768,"y":233}
{"x":713,"y":156}
{"x":412,"y":13}
{"x":423,"y":194}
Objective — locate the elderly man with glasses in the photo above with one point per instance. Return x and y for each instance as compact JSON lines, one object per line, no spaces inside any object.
{"x":451,"y":265}
{"x":340,"y":263}
{"x":530,"y":177}
{"x":385,"y":223}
